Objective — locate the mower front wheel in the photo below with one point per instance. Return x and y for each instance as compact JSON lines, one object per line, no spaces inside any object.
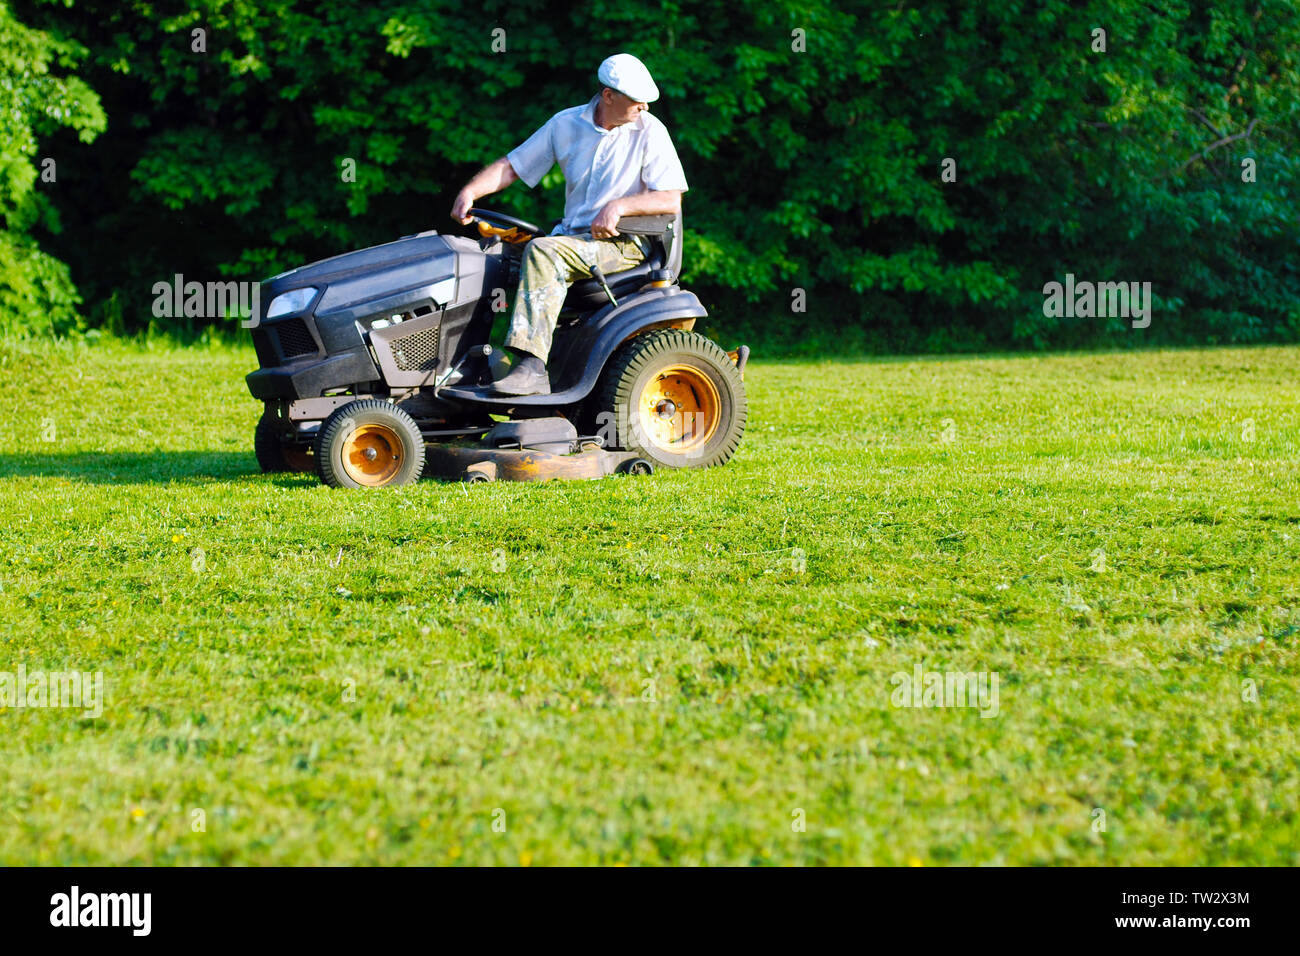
{"x":369,"y":444}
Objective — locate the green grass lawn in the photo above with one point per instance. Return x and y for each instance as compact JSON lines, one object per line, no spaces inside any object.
{"x":693,"y":667}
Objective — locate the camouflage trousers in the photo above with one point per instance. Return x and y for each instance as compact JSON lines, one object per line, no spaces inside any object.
{"x":550,"y":265}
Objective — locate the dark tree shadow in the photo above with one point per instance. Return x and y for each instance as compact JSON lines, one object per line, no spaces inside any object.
{"x":145,"y":467}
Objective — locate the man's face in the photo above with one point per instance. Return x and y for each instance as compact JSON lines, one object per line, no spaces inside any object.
{"x":621,"y":109}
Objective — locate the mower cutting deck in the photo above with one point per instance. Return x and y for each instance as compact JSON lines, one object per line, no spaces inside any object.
{"x":458,"y":463}
{"x":533,"y":450}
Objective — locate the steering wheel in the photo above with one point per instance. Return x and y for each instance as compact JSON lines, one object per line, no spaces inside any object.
{"x":502,"y":221}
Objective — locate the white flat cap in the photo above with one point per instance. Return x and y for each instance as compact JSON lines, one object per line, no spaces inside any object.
{"x":628,"y":75}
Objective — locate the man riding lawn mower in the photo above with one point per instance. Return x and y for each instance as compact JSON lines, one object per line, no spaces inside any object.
{"x":368,"y":356}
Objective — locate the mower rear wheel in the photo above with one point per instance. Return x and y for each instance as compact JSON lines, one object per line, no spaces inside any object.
{"x":369,"y":444}
{"x":275,"y":452}
{"x":684,"y":398}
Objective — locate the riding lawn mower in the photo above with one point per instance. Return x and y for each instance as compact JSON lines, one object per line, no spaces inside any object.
{"x":376,"y":367}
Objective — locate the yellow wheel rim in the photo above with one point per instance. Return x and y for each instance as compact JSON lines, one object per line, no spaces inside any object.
{"x":680,"y":410}
{"x":372,"y":455}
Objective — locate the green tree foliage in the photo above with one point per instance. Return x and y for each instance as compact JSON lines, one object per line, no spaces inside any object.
{"x":814,"y":136}
{"x":36,"y":292}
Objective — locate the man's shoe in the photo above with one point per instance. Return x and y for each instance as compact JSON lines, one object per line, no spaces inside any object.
{"x":528,"y":377}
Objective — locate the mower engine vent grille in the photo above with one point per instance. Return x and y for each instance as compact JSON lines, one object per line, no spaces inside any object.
{"x":294,"y":338}
{"x":417,"y":352}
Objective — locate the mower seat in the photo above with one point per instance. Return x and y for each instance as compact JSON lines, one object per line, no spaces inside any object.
{"x":664,"y":233}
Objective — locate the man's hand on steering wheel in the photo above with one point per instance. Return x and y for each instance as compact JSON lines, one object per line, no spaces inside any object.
{"x":460,"y":208}
{"x":605,"y":225}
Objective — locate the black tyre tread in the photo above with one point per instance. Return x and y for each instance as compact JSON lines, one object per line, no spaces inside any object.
{"x":333,"y":425}
{"x":268,"y":446}
{"x":626,"y":364}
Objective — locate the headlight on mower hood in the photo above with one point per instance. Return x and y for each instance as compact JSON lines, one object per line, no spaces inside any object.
{"x":293,"y":301}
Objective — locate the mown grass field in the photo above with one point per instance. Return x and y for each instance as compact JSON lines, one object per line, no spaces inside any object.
{"x":674,"y":669}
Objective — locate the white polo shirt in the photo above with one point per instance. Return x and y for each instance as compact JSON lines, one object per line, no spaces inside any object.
{"x":598,"y":164}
